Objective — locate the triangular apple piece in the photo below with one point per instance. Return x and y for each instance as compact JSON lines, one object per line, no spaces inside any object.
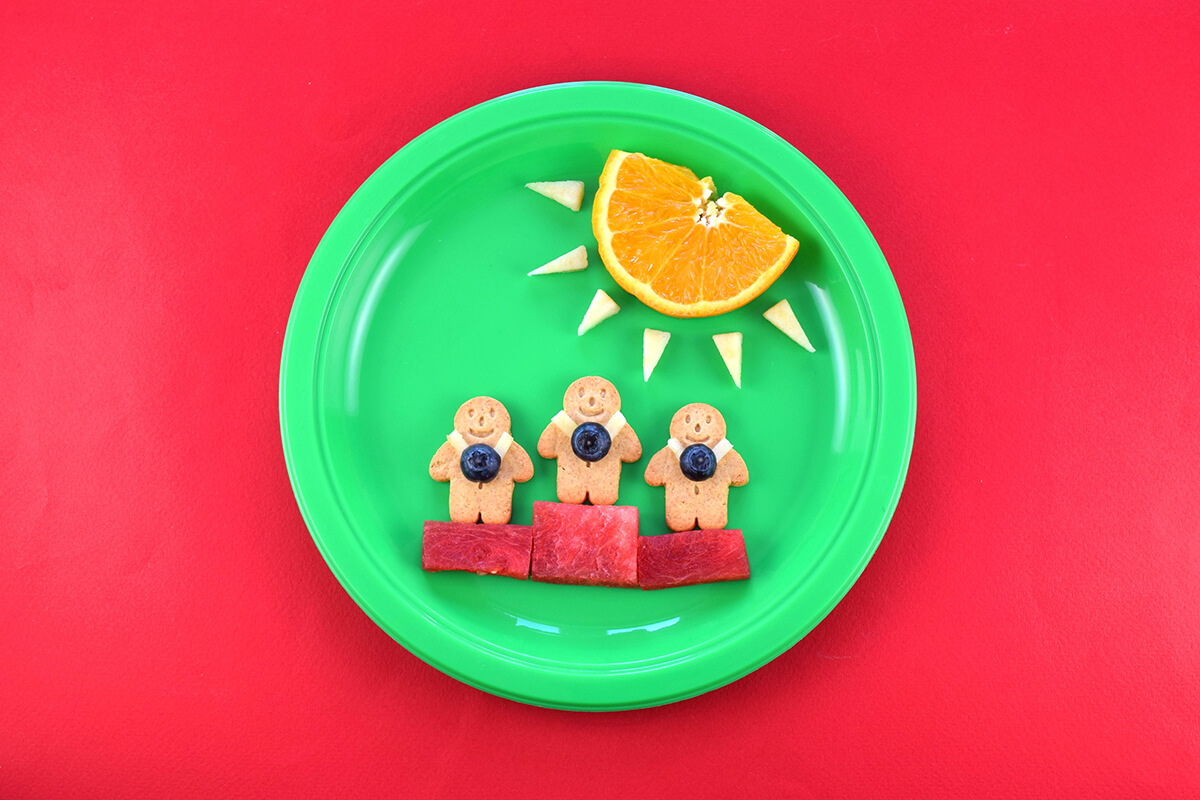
{"x":602,"y":308}
{"x":781,"y":316}
{"x":729,"y":345}
{"x":653,"y":344}
{"x":567,"y":262}
{"x":569,"y":193}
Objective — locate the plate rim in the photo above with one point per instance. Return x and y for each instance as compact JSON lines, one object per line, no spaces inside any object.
{"x":897,"y":347}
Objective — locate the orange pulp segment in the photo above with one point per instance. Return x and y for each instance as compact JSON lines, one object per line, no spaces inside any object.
{"x":668,"y":241}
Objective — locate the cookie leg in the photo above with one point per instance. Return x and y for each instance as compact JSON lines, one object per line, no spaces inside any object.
{"x":603,"y":481}
{"x":714,"y":518}
{"x":464,"y":501}
{"x":680,"y":518}
{"x":496,"y":505}
{"x":604,"y":494}
{"x":570,"y":488}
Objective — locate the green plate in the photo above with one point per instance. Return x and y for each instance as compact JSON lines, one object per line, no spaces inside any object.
{"x":417,"y":299}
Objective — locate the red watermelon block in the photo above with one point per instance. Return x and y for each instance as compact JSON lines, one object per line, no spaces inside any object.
{"x":480,"y":548}
{"x":691,"y":557}
{"x":589,"y":545}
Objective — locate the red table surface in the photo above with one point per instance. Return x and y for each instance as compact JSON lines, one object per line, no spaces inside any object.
{"x":1029,"y":626}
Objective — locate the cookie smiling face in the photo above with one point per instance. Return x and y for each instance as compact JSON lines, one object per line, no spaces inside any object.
{"x":698,"y":423}
{"x":591,"y":399}
{"x":482,"y":419}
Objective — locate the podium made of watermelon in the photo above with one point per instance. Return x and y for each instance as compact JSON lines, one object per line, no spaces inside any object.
{"x":586,"y":545}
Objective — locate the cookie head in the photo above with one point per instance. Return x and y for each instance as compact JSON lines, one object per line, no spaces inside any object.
{"x":591,"y":399}
{"x":482,"y":418}
{"x":698,"y":423}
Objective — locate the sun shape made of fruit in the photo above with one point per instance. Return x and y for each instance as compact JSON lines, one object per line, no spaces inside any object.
{"x":667,"y":238}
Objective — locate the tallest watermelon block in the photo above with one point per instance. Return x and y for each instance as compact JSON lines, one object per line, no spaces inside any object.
{"x":588,"y":545}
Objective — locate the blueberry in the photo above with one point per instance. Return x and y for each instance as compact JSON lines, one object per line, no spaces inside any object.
{"x":591,"y":441}
{"x":698,"y":462}
{"x":479,"y":463}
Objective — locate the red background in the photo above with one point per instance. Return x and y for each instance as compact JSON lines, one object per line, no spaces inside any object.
{"x":1029,"y":626}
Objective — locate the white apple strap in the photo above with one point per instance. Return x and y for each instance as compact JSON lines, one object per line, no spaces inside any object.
{"x":719,"y":451}
{"x":459,"y":443}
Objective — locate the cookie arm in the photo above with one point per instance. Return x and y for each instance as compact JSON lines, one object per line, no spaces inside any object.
{"x":519,"y":462}
{"x":441,"y":468}
{"x":629,"y":448}
{"x":739,"y":473}
{"x":547,"y":445}
{"x":656,"y":470}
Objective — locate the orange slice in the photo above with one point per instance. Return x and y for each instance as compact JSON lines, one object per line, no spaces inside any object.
{"x":670,"y":243}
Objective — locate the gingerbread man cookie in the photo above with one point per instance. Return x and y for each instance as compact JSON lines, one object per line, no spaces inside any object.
{"x":590,"y":438}
{"x":697,"y":466}
{"x":482,"y":462}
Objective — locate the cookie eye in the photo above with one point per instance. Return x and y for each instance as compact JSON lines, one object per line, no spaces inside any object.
{"x":603,"y":394}
{"x":581,"y":391}
{"x":492,"y":413}
{"x":688,"y":419}
{"x":470,"y":412}
{"x":708,"y":419}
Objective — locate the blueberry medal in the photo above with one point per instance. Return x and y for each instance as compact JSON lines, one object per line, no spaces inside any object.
{"x":480,"y":463}
{"x":591,"y":441}
{"x":698,"y":462}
